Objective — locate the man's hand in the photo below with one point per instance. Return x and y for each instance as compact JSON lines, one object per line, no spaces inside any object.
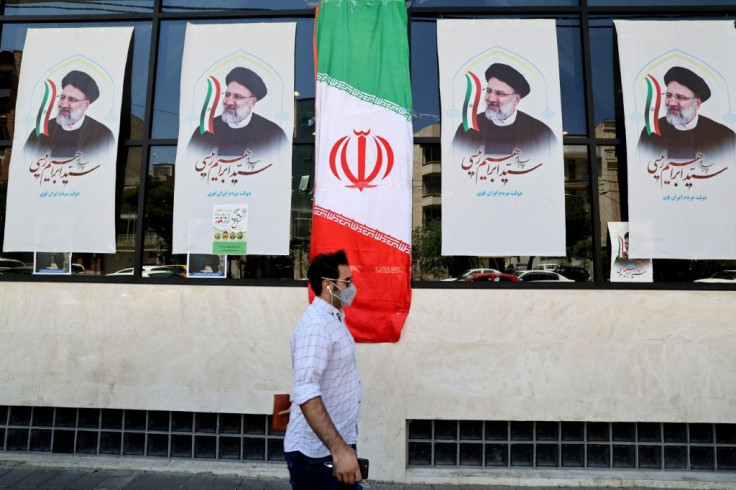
{"x":344,"y":459}
{"x":346,"y":466}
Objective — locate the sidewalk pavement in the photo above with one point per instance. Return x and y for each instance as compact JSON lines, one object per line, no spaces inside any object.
{"x":35,"y":475}
{"x":24,"y":477}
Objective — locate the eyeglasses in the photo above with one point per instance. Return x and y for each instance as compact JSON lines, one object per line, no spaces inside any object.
{"x":498,"y":93}
{"x":347,"y":281}
{"x":238,"y":97}
{"x":72,"y":100}
{"x":677,"y":97}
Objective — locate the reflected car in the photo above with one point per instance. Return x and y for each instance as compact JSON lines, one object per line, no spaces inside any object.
{"x":722,"y":276}
{"x":168,"y":271}
{"x":574,"y":272}
{"x":470,"y":273}
{"x":14,"y":271}
{"x":10,"y":263}
{"x":545,"y":267}
{"x":541,"y":276}
{"x":492,"y":277}
{"x":128,"y":271}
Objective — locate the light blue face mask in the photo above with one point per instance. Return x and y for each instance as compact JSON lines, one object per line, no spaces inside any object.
{"x":346,"y":295}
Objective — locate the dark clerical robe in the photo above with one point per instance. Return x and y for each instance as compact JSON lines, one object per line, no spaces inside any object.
{"x":707,"y":137}
{"x":259,"y":136}
{"x":88,"y":139}
{"x":525,"y":133}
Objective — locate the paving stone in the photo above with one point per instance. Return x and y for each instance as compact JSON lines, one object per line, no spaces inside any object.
{"x":271,"y":484}
{"x":213,"y":483}
{"x":64,"y":479}
{"x":12,"y":477}
{"x":159,"y":481}
{"x":89,"y":481}
{"x":38,"y":478}
{"x":116,"y":481}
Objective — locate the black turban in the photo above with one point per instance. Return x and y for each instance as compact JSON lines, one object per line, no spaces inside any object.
{"x":248,"y":79}
{"x":83,"y":82}
{"x":688,"y":78}
{"x":510,"y":76}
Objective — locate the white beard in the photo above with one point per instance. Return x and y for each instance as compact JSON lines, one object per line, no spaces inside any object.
{"x":234,"y":117}
{"x":503,"y":112}
{"x":74,"y":116}
{"x":684,"y":117}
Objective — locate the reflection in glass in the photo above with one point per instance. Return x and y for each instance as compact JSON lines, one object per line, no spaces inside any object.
{"x":430,"y":265}
{"x":159,"y":222}
{"x":134,"y":90}
{"x":79,"y":7}
{"x":424,"y":79}
{"x":199,"y":5}
{"x":602,"y":51}
{"x":570,"y":59}
{"x":418,"y":4}
{"x":9,"y":69}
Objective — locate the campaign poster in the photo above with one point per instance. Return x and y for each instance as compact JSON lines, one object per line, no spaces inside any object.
{"x":502,"y":161}
{"x":235,"y":133}
{"x":230,"y":229}
{"x":623,"y":267}
{"x":679,"y":88}
{"x":61,"y":183}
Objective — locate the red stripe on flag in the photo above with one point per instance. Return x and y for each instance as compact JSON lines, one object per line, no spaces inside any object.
{"x":476,"y":101}
{"x":48,"y":109}
{"x":657,"y":103}
{"x":384,"y":291}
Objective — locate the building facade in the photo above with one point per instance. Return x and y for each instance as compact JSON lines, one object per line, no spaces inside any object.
{"x":515,"y":383}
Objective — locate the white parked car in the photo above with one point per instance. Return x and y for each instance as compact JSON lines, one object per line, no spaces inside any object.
{"x":128,"y":271}
{"x":545,"y":267}
{"x":541,"y":276}
{"x":723,"y":276}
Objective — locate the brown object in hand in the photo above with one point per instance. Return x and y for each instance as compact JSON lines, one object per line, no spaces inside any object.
{"x":281,"y":402}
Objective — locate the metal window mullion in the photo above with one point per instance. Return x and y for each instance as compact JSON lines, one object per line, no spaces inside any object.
{"x":589,"y":105}
{"x":147,"y":125}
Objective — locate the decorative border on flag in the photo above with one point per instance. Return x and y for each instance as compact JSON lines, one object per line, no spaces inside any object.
{"x":365,"y":97}
{"x":362,"y":229}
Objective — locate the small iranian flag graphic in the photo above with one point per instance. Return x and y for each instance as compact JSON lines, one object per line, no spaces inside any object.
{"x":363,"y":154}
{"x":654,"y":102}
{"x":471,"y":102}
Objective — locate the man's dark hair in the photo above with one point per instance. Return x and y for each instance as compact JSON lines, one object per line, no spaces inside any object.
{"x":325,"y":265}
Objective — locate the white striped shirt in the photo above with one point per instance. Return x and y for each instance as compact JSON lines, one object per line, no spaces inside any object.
{"x":324,"y":364}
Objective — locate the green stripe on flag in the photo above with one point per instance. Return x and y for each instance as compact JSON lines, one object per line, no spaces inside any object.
{"x":371,"y":28}
{"x":648,"y":107}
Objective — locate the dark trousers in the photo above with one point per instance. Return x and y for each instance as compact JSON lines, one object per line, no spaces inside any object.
{"x":311,"y":473}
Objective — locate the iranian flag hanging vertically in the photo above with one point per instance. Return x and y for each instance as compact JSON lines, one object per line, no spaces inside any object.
{"x":362,"y":198}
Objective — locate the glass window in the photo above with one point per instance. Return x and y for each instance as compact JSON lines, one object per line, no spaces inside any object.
{"x":418,"y":4}
{"x":134,"y":95}
{"x":199,"y":5}
{"x":655,"y":3}
{"x":79,"y":7}
{"x":168,"y":76}
{"x":602,"y":54}
{"x":572,"y":93}
{"x":430,"y":264}
{"x":424,"y":78}
{"x":158,"y":260}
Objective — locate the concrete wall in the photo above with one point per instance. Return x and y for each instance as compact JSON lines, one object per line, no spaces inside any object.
{"x":464,"y":354}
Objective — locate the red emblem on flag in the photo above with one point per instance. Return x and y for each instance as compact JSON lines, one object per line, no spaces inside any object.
{"x":383,"y":155}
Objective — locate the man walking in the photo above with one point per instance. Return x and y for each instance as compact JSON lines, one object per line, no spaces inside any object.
{"x":323,"y":425}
